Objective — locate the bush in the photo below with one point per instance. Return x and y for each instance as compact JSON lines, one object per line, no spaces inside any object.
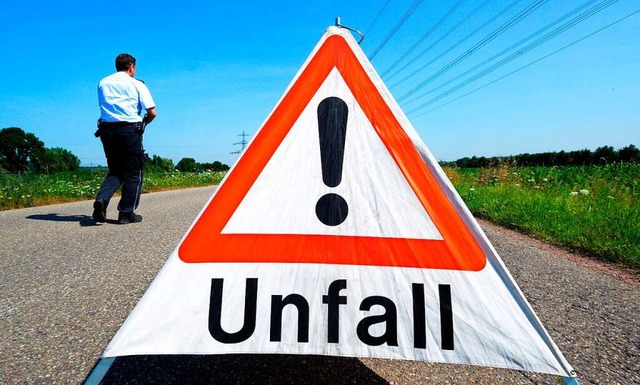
{"x":20,"y":151}
{"x":58,"y":160}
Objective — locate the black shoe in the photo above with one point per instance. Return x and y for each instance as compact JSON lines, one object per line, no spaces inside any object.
{"x":99,"y":211}
{"x":132,"y":218}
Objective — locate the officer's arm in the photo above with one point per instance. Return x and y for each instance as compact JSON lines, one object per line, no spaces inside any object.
{"x":151,"y":114}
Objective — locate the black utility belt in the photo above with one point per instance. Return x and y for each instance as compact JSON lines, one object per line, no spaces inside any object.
{"x":137,"y":126}
{"x":120,"y":124}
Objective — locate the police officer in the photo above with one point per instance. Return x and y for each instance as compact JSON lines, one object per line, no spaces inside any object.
{"x":122,"y":101}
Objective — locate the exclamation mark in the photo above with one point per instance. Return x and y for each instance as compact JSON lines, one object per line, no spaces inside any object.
{"x":331,"y":208}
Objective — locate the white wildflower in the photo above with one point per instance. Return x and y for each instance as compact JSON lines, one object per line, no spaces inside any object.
{"x":584,"y":192}
{"x":573,"y":193}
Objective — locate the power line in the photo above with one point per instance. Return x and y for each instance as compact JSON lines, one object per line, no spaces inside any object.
{"x":423,"y":37}
{"x":504,"y":27}
{"x":538,"y":32}
{"x":446,"y":51}
{"x":375,"y":19}
{"x":397,"y":26}
{"x":444,"y":36}
{"x":530,"y":64}
{"x":555,"y":32}
{"x":487,"y":39}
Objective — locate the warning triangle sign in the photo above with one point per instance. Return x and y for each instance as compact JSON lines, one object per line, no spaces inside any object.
{"x":334,"y":122}
{"x":337,"y":233}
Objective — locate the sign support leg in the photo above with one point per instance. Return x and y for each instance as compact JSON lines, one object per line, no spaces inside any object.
{"x":99,"y":371}
{"x":570,"y":381}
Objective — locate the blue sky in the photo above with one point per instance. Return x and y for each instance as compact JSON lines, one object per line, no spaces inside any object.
{"x":217,"y":69}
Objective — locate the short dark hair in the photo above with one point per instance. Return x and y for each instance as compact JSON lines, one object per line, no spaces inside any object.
{"x":124,"y":61}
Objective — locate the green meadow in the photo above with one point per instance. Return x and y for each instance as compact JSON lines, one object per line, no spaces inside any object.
{"x":590,"y":209}
{"x":26,"y":190}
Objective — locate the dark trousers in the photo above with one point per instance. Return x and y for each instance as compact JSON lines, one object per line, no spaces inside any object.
{"x":125,"y":157}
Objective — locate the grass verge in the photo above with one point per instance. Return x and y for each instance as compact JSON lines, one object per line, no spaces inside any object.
{"x":26,"y":190}
{"x":592,"y":209}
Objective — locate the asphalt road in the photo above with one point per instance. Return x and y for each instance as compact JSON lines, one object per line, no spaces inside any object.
{"x":66,"y":287}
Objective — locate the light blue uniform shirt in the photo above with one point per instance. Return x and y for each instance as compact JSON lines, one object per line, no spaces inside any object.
{"x":123,"y":98}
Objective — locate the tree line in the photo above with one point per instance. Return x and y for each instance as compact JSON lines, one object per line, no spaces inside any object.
{"x":156,"y":163}
{"x":22,"y":152}
{"x":601,"y":156}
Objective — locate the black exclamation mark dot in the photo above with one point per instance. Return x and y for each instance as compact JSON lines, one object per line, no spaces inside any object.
{"x":331,"y":208}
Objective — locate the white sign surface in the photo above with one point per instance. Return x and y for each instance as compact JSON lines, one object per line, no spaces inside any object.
{"x":391,"y":265}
